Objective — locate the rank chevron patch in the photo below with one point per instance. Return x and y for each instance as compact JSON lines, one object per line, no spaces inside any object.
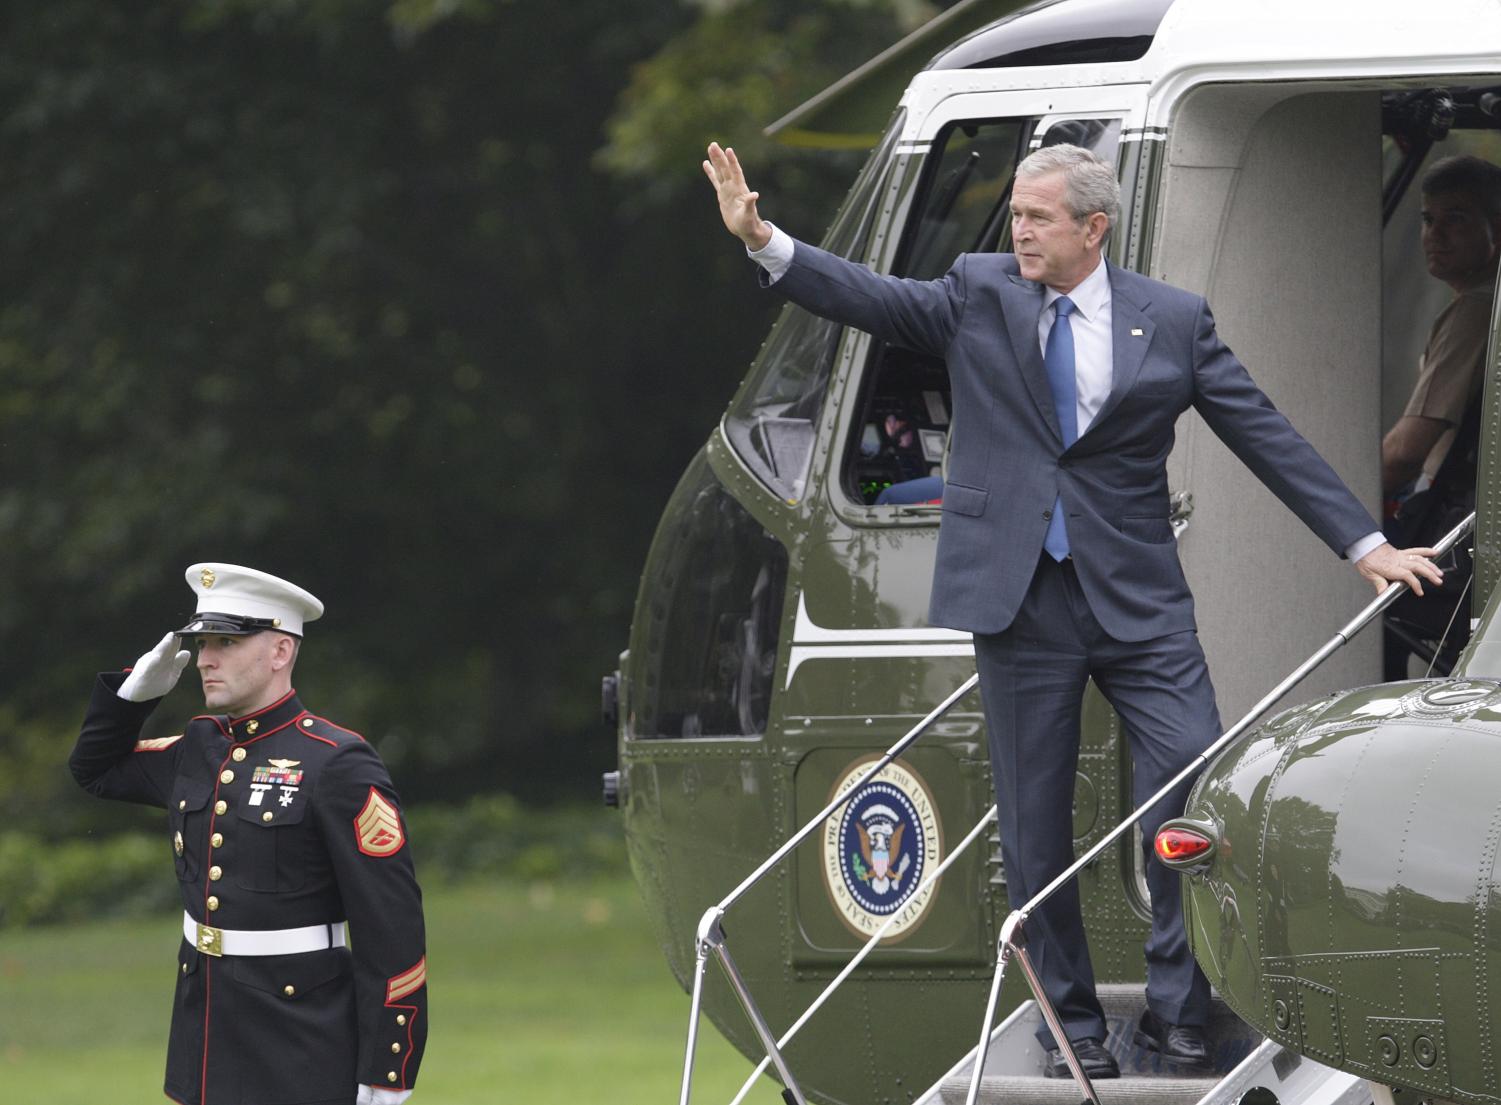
{"x":409,"y":981}
{"x":378,"y":827}
{"x":157,"y":744}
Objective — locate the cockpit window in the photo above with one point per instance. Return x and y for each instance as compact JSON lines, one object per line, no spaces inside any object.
{"x":772,"y":420}
{"x":894,"y":455}
{"x":974,"y":166}
{"x":706,"y":642}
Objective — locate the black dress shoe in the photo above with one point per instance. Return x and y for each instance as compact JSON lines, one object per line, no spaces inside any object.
{"x":1096,"y":1061}
{"x":1182,"y":1043}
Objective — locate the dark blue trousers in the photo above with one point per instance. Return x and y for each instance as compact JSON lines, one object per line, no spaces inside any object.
{"x":1032,"y":680}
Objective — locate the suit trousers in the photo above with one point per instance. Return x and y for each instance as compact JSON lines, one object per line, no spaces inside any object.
{"x":1032,"y":680}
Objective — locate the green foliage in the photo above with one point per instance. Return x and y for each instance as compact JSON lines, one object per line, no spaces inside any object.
{"x":348,"y":292}
{"x":130,"y":874}
{"x":497,"y":836}
{"x":73,"y":880}
{"x":740,"y":67}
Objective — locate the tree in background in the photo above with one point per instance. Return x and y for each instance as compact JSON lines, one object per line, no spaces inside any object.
{"x":408,"y":304}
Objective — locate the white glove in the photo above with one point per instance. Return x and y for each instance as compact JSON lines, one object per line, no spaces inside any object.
{"x":379,"y":1095}
{"x":156,"y":672}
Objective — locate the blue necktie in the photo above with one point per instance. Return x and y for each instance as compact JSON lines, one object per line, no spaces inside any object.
{"x":1058,"y":359}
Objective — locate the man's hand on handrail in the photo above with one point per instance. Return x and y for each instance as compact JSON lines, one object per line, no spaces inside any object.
{"x":1384,"y":565}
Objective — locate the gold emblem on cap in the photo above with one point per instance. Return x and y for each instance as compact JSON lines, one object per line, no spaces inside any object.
{"x":207,"y":577}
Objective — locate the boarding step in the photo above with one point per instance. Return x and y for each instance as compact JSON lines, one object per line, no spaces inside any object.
{"x":1245,"y":1067}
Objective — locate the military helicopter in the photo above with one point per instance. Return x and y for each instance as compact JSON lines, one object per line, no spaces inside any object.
{"x":779,"y":645}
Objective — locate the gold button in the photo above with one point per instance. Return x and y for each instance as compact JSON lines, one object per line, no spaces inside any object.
{"x":177,"y":843}
{"x":395,"y":1049}
{"x":307,"y":723}
{"x":266,"y":816}
{"x":238,"y":755}
{"x":226,"y":776}
{"x":215,"y":873}
{"x":217,"y":840}
{"x":401,"y":1018}
{"x":182,"y":804}
{"x":289,"y":990}
{"x":391,"y":1076}
{"x":213,"y":903}
{"x":220,"y":806}
{"x":184,"y":968}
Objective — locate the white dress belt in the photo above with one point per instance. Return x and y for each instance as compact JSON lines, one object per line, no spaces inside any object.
{"x":217,"y":941}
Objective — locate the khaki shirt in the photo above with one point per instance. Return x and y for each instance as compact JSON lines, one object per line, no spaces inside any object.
{"x":1452,"y":369}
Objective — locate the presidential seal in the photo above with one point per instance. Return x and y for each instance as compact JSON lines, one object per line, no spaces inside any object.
{"x":878,"y":848}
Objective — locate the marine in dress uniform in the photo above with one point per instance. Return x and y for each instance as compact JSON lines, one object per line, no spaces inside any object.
{"x":302,"y":974}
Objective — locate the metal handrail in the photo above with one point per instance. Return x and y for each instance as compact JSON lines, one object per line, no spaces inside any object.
{"x":1011,"y":939}
{"x":860,"y":956}
{"x":710,"y":935}
{"x":818,"y":819}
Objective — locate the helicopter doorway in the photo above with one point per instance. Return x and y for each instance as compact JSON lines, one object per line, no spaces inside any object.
{"x":1270,"y":206}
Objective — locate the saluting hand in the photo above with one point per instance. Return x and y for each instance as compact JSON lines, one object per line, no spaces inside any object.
{"x":156,"y":672}
{"x":737,"y":203}
{"x":1385,"y":565}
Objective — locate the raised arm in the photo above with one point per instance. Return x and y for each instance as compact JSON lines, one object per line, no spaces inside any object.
{"x":737,"y":203}
{"x":922,"y":315}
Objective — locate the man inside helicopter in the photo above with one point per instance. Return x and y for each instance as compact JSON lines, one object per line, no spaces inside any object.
{"x":1428,"y":456}
{"x":1055,"y":548}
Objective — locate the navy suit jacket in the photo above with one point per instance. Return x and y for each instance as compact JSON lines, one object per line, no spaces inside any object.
{"x":1007,"y":462}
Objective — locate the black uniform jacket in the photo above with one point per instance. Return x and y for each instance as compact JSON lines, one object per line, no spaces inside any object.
{"x":277,"y":820}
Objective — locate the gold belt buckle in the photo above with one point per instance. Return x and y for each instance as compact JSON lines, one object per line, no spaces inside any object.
{"x":210,"y":940}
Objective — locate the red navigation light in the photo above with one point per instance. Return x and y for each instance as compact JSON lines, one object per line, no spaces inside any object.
{"x":1181,"y":845}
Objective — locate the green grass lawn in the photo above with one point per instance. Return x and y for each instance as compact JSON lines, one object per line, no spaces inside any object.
{"x":542,"y":993}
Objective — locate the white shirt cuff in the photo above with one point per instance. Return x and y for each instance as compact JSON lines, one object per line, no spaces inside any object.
{"x":1367,"y":544}
{"x":775,"y":256}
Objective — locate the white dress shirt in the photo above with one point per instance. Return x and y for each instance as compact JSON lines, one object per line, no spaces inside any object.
{"x":1094,"y":349}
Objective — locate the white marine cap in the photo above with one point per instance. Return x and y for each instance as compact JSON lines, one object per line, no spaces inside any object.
{"x":239,"y":601}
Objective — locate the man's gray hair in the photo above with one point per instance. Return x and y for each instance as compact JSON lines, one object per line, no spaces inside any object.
{"x":1089,"y":183}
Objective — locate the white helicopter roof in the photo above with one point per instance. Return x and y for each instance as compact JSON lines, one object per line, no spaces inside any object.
{"x":1197,"y":41}
{"x":1297,"y":38}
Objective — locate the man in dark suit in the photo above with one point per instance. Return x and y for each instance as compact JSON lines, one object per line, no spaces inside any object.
{"x":285,"y":826}
{"x":1055,"y":548}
